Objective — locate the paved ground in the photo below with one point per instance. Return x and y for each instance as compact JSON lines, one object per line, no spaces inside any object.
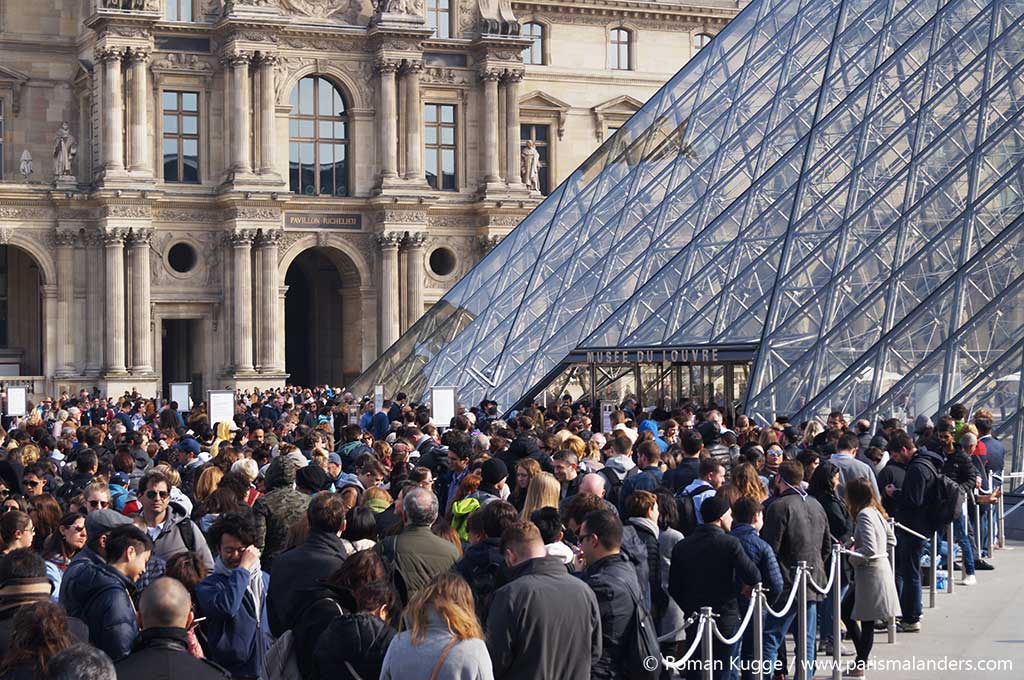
{"x":982,"y":624}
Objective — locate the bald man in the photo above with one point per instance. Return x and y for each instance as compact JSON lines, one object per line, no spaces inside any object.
{"x":165,"y":616}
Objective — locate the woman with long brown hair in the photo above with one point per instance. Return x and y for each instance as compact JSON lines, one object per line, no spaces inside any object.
{"x":45,"y":513}
{"x":39,"y":632}
{"x":526,"y":470}
{"x":873,"y":595}
{"x":444,"y":638}
{"x":746,"y":479}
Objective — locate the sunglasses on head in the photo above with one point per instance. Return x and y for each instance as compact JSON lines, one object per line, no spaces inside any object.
{"x":153,"y":494}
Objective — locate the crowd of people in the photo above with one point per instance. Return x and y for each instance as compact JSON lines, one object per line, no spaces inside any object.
{"x":320,"y":536}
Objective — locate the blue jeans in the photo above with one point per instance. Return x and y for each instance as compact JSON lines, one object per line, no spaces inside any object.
{"x":986,"y":549}
{"x":909,"y":550}
{"x":825,"y":616}
{"x":775,"y":636}
{"x":964,"y":541}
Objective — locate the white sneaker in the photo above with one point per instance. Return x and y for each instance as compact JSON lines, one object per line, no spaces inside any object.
{"x":969,"y":580}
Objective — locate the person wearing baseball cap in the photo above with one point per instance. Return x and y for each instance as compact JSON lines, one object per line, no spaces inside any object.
{"x":706,"y":566}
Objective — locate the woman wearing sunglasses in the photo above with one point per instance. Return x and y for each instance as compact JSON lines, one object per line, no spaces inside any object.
{"x":61,"y":547}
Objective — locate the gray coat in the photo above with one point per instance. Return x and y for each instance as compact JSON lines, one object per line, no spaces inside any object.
{"x":467,"y":660}
{"x":672,"y":619}
{"x":875,"y":595}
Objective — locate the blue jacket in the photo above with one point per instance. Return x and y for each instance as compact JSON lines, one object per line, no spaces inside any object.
{"x":101,"y":596}
{"x":237,"y":640}
{"x":760,"y":553}
{"x":648,"y":479}
{"x":380,"y":425}
{"x":652,"y":427}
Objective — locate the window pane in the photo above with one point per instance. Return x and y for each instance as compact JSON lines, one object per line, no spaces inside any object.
{"x":293,"y":128}
{"x":340,"y":171}
{"x":308,"y":176}
{"x":339,"y":131}
{"x":339,"y":103}
{"x":190,"y":160}
{"x":431,"y":166}
{"x":326,"y":129}
{"x":326,"y":169}
{"x":293,"y":99}
{"x":306,"y":128}
{"x":431,"y":134}
{"x":447,"y":114}
{"x":325,"y":97}
{"x":448,"y":135}
{"x":189,"y":101}
{"x":170,"y":101}
{"x":190,"y":125}
{"x":170,"y":160}
{"x":170,"y":125}
{"x":540,"y":133}
{"x":306,"y":96}
{"x":448,"y":169}
{"x":430,"y":113}
{"x":293,"y":168}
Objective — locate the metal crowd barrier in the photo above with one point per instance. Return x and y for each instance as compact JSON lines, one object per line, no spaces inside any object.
{"x":707,"y":630}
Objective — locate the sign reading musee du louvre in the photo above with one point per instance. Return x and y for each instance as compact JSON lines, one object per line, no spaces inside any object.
{"x":306,"y":220}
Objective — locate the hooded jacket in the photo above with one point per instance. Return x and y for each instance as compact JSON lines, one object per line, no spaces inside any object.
{"x":360,"y":639}
{"x":101,"y":596}
{"x":238,"y":636}
{"x":278,"y":509}
{"x":652,"y":427}
{"x":912,"y":498}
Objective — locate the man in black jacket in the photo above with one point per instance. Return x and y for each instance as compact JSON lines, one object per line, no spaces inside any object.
{"x":613,"y":580}
{"x":545,"y":624}
{"x":300,"y":571}
{"x":706,"y":565}
{"x":162,"y":652}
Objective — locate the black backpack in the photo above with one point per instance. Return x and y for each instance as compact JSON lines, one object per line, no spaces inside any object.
{"x":688,"y":509}
{"x":642,"y":645}
{"x":614,"y":484}
{"x":943,"y":500}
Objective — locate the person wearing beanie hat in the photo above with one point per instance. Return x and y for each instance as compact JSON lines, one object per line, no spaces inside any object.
{"x":706,"y":566}
{"x":493,"y":474}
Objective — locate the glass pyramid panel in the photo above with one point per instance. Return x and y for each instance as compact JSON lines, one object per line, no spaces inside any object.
{"x":838,"y":182}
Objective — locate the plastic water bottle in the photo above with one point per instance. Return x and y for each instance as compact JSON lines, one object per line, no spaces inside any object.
{"x":940,"y":579}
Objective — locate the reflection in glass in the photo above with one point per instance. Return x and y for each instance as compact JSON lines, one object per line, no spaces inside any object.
{"x":317,"y":139}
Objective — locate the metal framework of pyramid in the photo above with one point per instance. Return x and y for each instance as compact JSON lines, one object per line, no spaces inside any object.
{"x":838,"y":182}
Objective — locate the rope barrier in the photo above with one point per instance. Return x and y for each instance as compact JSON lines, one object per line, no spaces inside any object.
{"x":742,"y":628}
{"x":671,"y":637}
{"x":831,"y":577}
{"x":677,"y":664}
{"x":792,"y":597}
{"x":911,"y":531}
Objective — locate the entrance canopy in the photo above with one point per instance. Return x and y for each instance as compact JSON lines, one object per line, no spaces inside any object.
{"x":839,"y":183}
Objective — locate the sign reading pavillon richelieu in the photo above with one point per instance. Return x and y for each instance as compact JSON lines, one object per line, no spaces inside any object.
{"x":306,"y":220}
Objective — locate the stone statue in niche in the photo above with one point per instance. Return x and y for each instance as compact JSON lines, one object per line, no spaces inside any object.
{"x":65,"y":148}
{"x":26,"y":164}
{"x":130,"y":5}
{"x":529,"y":166}
{"x":397,"y":10}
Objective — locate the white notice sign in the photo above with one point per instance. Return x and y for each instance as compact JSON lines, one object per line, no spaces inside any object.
{"x":15,"y":401}
{"x":221,"y":406}
{"x":180,"y":392}
{"x":442,"y":405}
{"x":606,"y":415}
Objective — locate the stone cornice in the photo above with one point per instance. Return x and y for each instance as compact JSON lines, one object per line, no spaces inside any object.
{"x":609,"y":10}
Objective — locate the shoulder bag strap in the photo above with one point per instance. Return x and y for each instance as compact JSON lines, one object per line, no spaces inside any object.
{"x":352,"y":671}
{"x":444,"y":655}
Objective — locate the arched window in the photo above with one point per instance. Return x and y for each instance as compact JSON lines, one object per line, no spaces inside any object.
{"x":701,"y":40}
{"x":620,"y":49}
{"x":534,"y":54}
{"x":317,"y":139}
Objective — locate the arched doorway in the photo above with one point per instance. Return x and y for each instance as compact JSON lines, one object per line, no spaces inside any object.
{"x":322,"y":318}
{"x":21,"y":313}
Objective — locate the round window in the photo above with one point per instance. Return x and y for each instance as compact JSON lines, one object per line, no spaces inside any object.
{"x":182,"y":258}
{"x":442,"y":262}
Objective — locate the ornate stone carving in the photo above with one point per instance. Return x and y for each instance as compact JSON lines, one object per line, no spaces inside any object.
{"x":13,"y":212}
{"x":487,"y":242}
{"x":322,"y":238}
{"x":405,"y":11}
{"x":286,"y":66}
{"x":496,"y":17}
{"x":6,"y":234}
{"x":252,"y":213}
{"x":114,"y":236}
{"x":132,"y":5}
{"x":505,"y":220}
{"x":322,"y":9}
{"x":130,"y":211}
{"x":403,"y":217}
{"x":140,"y":237}
{"x":269,"y":237}
{"x":137,"y":54}
{"x":238,"y":59}
{"x":106,"y":54}
{"x":389,"y":239}
{"x":64,"y":237}
{"x":65,"y":148}
{"x":490,"y":74}
{"x":67,"y":213}
{"x":128,"y":32}
{"x":230,"y":5}
{"x":453,"y":221}
{"x":415,"y":239}
{"x":443,"y":76}
{"x":185,"y":217}
{"x":254,"y":36}
{"x":182,"y":62}
{"x":288,"y":239}
{"x":385,"y":66}
{"x":239,"y":239}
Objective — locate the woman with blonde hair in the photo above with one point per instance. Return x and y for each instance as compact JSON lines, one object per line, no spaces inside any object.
{"x":444,"y":638}
{"x":576,"y":445}
{"x":543,"y":492}
{"x":206,"y":484}
{"x":746,"y":479}
{"x":812,"y":430}
{"x":526,"y":470}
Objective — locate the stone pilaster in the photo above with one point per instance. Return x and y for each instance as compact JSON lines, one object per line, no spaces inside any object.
{"x":512,"y":82}
{"x":241,"y":156}
{"x":268,"y":160}
{"x":241,"y":300}
{"x":65,"y":243}
{"x":387,"y":119}
{"x":389,"y":322}
{"x":413,"y":123}
{"x":95,"y":312}
{"x":490,"y":79}
{"x":269,"y":295}
{"x":414,"y":242}
{"x":141,"y":320}
{"x":113,"y":117}
{"x":113,"y":245}
{"x":140,"y":149}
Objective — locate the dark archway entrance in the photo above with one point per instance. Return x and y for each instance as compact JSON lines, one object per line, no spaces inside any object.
{"x":21,"y":313}
{"x":321,"y":310}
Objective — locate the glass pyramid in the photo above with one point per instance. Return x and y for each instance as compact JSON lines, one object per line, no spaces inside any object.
{"x":838,"y":182}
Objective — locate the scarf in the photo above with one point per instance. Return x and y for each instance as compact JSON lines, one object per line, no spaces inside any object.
{"x":17,"y":592}
{"x":254,"y":591}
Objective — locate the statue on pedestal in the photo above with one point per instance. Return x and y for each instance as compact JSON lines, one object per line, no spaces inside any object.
{"x":529,"y":166}
{"x":65,"y":148}
{"x":26,"y":164}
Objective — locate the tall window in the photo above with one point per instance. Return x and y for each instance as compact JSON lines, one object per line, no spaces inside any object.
{"x":700,"y":41}
{"x":181,"y":137}
{"x":541,"y":138}
{"x":439,"y":18}
{"x":534,"y":54}
{"x":178,"y":10}
{"x":318,"y":139}
{"x":440,"y":146}
{"x":620,"y":49}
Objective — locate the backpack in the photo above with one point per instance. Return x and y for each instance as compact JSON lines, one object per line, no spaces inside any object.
{"x":279,"y":661}
{"x":943,"y":500}
{"x":641,"y":644}
{"x":461,"y":510}
{"x":389,"y":555}
{"x":688,"y":509}
{"x":614,"y":484}
{"x":188,"y":537}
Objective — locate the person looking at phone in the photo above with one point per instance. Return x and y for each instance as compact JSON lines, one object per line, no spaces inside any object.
{"x":890,"y":478}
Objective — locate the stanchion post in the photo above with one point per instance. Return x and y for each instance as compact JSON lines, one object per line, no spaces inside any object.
{"x":977,"y":527}
{"x":757,"y":621}
{"x":990,"y":509}
{"x":999,"y":517}
{"x":837,"y":633}
{"x":801,"y":623}
{"x":933,"y":580}
{"x":949,"y":558}
{"x":706,"y":651}
{"x":891,"y":627}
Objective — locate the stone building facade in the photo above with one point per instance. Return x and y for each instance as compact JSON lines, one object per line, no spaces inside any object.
{"x":249,"y":190}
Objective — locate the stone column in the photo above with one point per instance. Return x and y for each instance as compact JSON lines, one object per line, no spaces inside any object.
{"x":142,"y":322}
{"x":240,"y":153}
{"x":113,"y":117}
{"x":241,"y":300}
{"x":267,"y":114}
{"x":414,"y":243}
{"x":387,"y":118}
{"x":65,"y":243}
{"x":269,"y":295}
{"x":282,"y":295}
{"x":490,"y":78}
{"x":413,"y":122}
{"x":388,"y":243}
{"x":512,"y":153}
{"x":139,"y":120}
{"x":94,"y":312}
{"x":113,"y":244}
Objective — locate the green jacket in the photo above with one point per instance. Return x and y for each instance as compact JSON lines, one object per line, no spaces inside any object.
{"x":417,"y":556}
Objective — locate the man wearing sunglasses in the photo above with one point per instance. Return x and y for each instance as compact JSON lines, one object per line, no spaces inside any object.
{"x":167,"y":523}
